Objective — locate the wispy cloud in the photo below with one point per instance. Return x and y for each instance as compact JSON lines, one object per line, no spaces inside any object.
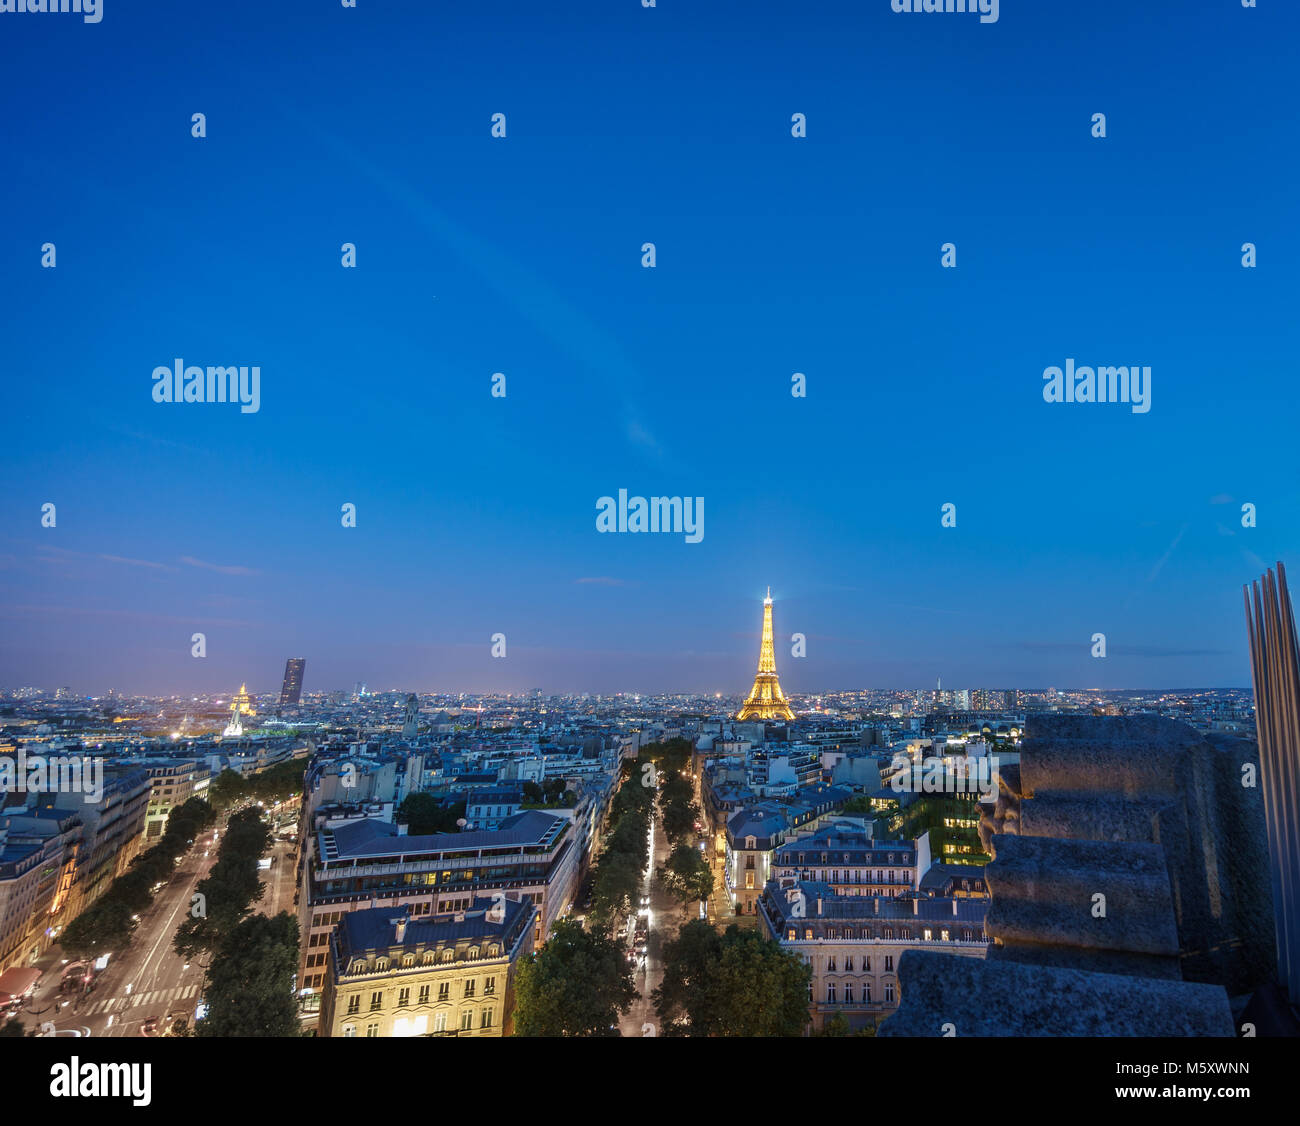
{"x":231,"y":569}
{"x":1165,"y":557}
{"x":1114,"y":650}
{"x":137,"y":562}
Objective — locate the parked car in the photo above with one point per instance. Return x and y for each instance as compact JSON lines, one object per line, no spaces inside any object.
{"x":150,"y":1027}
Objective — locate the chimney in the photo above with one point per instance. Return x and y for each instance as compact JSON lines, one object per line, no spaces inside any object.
{"x":916,"y":906}
{"x":819,"y":905}
{"x":401,"y":929}
{"x":954,"y":907}
{"x":876,"y":900}
{"x":401,"y":828}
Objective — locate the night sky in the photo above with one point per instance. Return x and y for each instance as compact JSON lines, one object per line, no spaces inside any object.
{"x":775,"y":255}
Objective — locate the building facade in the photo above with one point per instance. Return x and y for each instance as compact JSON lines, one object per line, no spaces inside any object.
{"x":853,"y":943}
{"x":449,"y":975}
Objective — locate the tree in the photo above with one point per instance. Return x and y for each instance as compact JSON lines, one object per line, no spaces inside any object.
{"x":736,"y":984}
{"x":226,"y":789}
{"x":617,"y":884}
{"x":103,"y":927}
{"x":229,"y":890}
{"x":250,"y":982}
{"x":425,"y":814}
{"x":13,"y":1027}
{"x":838,"y":1025}
{"x":578,"y":984}
{"x":686,"y":875}
{"x":679,"y":821}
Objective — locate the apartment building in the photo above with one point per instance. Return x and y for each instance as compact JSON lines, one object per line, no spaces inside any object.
{"x":853,"y":942}
{"x":367,"y":863}
{"x":448,"y":975}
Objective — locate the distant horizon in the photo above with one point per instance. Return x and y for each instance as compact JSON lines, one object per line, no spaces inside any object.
{"x":633,"y":692}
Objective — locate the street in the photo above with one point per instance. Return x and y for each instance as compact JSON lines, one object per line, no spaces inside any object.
{"x":148,"y":981}
{"x":665,"y":918}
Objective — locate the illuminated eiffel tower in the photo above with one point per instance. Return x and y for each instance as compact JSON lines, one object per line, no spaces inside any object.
{"x":766,"y":700}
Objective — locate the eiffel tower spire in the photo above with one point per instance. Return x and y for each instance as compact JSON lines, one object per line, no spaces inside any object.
{"x":766,"y":700}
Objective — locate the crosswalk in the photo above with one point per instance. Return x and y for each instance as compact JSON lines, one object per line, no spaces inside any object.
{"x":155,"y":997}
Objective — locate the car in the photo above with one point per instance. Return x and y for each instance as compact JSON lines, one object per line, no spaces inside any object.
{"x":645,"y":901}
{"x":150,"y":1027}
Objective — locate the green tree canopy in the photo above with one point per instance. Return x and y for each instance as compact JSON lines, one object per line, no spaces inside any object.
{"x":226,"y":789}
{"x":250,"y":981}
{"x":578,"y":984}
{"x":735,"y":984}
{"x":425,"y":814}
{"x":686,"y":874}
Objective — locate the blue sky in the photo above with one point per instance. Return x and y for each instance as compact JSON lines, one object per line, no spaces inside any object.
{"x":775,"y":255}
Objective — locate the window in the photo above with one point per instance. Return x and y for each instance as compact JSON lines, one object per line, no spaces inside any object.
{"x":830,"y":965}
{"x":372,"y":1030}
{"x":469,"y":987}
{"x":376,"y":1001}
{"x":807,"y":933}
{"x":403,"y":998}
{"x":848,"y":965}
{"x":866,"y":993}
{"x":354,"y":1004}
{"x":848,"y":992}
{"x":428,"y":957}
{"x":440,"y":1021}
{"x":830,"y":993}
{"x":472,"y":954}
{"x":424,"y":995}
{"x":889,"y":963}
{"x":448,"y":954}
{"x":485,"y":1020}
{"x":943,"y":934}
{"x":889,"y":932}
{"x":408,"y":959}
{"x":494,"y":950}
{"x":929,"y":935}
{"x":467,"y":1020}
{"x":349,"y":1030}
{"x":792,"y":934}
{"x":381,"y":963}
{"x":444,"y":991}
{"x":889,"y":993}
{"x":489,"y":986}
{"x":866,"y":968}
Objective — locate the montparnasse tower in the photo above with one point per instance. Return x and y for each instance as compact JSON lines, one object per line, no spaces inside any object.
{"x":766,"y":700}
